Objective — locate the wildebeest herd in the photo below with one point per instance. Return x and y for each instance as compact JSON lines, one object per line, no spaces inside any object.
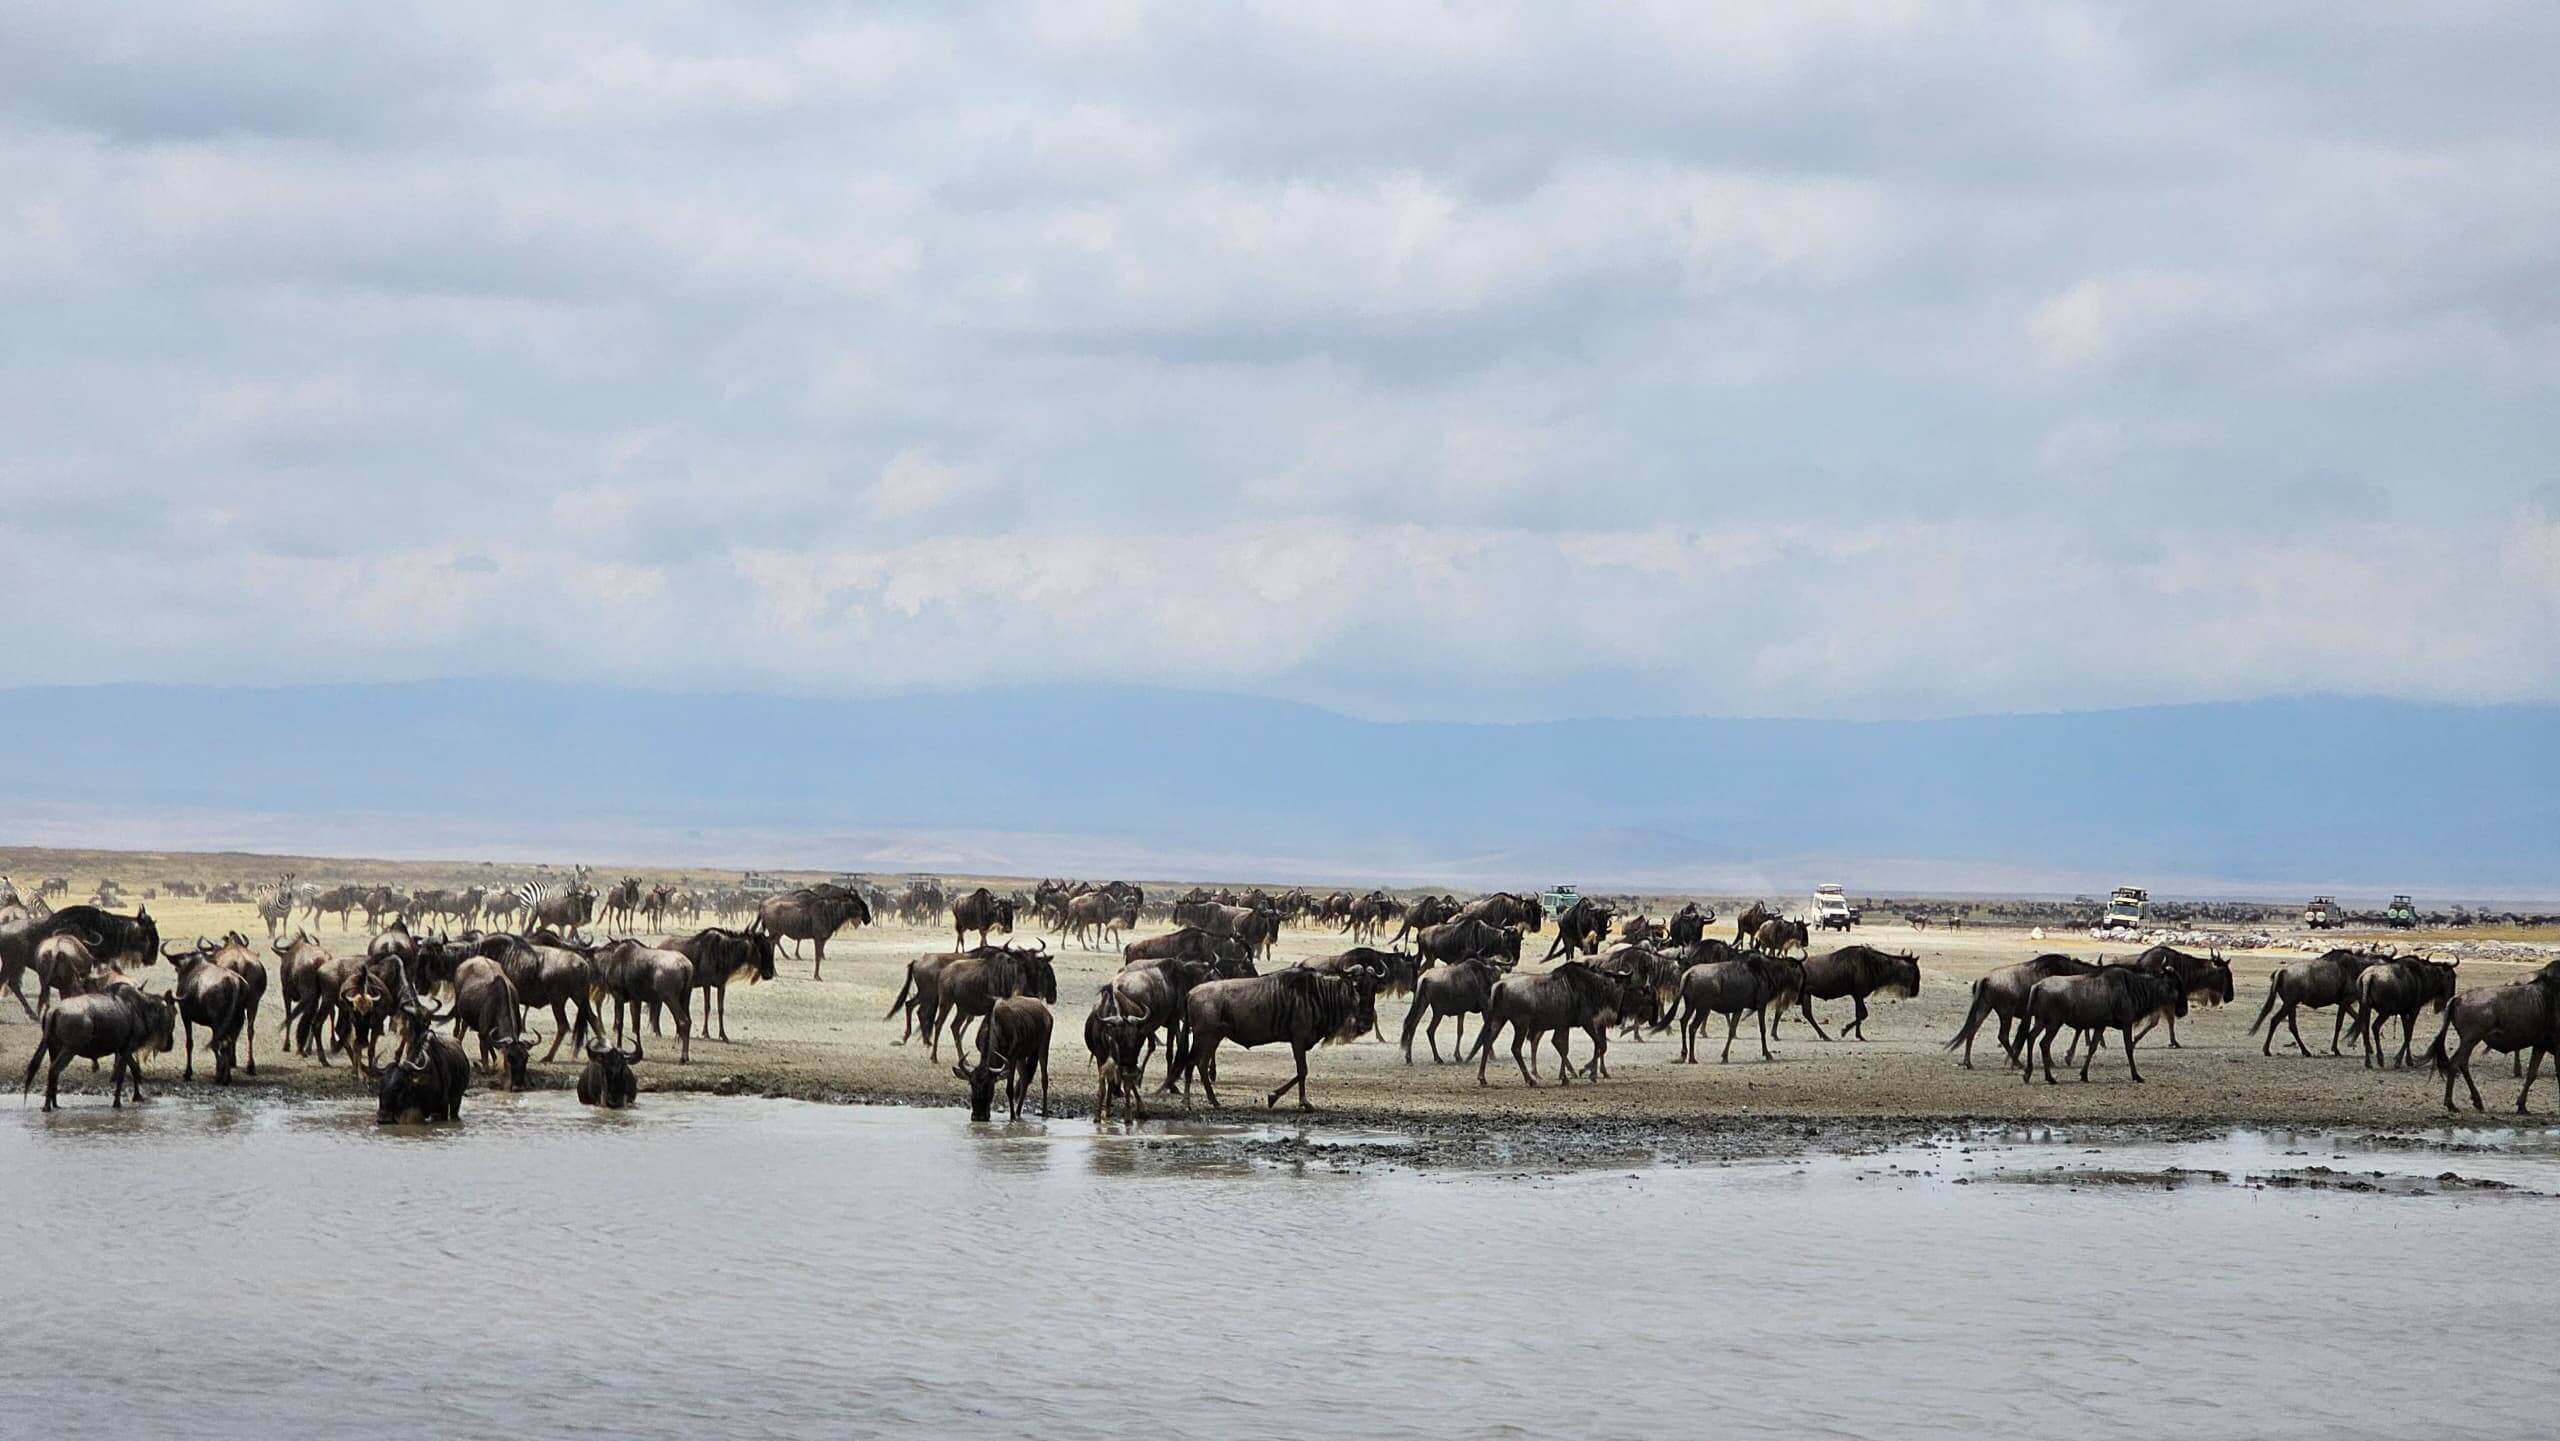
{"x":401,"y":1009}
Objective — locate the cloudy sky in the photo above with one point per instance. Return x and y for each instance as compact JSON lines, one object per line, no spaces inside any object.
{"x":1413,"y":359}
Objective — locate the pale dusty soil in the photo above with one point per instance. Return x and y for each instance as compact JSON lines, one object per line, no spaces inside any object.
{"x":825,"y":1040}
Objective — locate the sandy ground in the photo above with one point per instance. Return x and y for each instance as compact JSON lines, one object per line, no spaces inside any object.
{"x":826,"y":1040}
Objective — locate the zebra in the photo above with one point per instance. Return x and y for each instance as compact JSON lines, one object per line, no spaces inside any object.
{"x":275,"y":905}
{"x":561,"y":905}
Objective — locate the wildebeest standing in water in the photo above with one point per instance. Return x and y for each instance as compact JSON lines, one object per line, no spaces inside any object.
{"x":970,"y":986}
{"x":1554,"y":1004}
{"x":426,"y":1082}
{"x":2112,"y":998}
{"x":1116,"y":1035}
{"x":1297,"y":1007}
{"x":2399,"y":988}
{"x":607,"y":1080}
{"x":1012,"y":1045}
{"x":2511,"y":1018}
{"x":1856,"y":972}
{"x":216,"y":997}
{"x":812,"y":913}
{"x":2318,"y":984}
{"x":484,"y":1001}
{"x":120,"y":1021}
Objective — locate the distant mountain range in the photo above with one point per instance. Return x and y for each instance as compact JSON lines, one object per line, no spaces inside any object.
{"x":2359,"y":796}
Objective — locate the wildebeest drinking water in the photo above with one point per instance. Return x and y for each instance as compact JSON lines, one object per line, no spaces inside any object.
{"x":1012,"y":1045}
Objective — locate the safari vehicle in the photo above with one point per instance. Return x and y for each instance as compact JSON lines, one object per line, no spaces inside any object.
{"x":2124,"y":909}
{"x":2323,"y":914}
{"x":1559,"y":899}
{"x":1831,"y":908}
{"x":2403,"y":915}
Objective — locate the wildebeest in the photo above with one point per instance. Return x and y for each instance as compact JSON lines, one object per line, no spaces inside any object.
{"x":120,"y":1021}
{"x":2328,"y":981}
{"x":970,"y":986}
{"x":302,"y":980}
{"x":1369,"y":915}
{"x":484,"y":1001}
{"x":2207,"y":979}
{"x":1012,"y":1045}
{"x":981,"y":910}
{"x":812,"y":913}
{"x":1423,"y":914}
{"x":1575,"y":996}
{"x":1161,"y":991}
{"x":1099,"y":915}
{"x":2504,"y":1018}
{"x":1116,"y":1036}
{"x":1458,"y":940}
{"x":1736,"y":982}
{"x":1688,"y":925}
{"x":635,"y":976}
{"x":1296,"y":1007}
{"x":1454,"y":988}
{"x":426,"y":1081}
{"x":546,"y":971}
{"x":116,"y":942}
{"x":720,"y":956}
{"x":2111,"y":998}
{"x":2003,"y":994}
{"x":607,"y":1080}
{"x":1583,"y":926}
{"x":216,"y":997}
{"x":1777,"y":935}
{"x":1856,"y":972}
{"x":1748,"y":924}
{"x":2399,"y":987}
{"x":64,"y":963}
{"x":1502,"y":908}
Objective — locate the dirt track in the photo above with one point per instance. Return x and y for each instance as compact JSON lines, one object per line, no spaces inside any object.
{"x":825,"y":1040}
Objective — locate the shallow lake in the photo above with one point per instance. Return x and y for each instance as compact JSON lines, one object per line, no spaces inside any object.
{"x":749,"y":1268}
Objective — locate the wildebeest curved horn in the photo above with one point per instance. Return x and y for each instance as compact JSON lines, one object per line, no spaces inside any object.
{"x":168,"y":954}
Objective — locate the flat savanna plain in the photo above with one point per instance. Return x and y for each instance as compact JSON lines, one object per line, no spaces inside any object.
{"x":826,"y":1040}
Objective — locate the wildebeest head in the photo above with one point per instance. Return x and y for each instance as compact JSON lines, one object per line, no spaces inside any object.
{"x":516,"y":1055}
{"x":608,"y":1080}
{"x":1902,"y":975}
{"x":982,"y":1083}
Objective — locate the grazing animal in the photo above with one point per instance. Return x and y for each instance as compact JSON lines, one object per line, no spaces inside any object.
{"x":484,"y":1001}
{"x":1582,"y":928}
{"x":634,"y":976}
{"x":1462,"y":940}
{"x":2207,"y":979}
{"x":1012,"y":1045}
{"x":1856,"y":972}
{"x":120,"y":1021}
{"x":812,"y":914}
{"x":981,"y":910}
{"x":1575,"y":996}
{"x":1778,"y":936}
{"x":547,"y":971}
{"x":426,"y":1081}
{"x":1453,"y":988}
{"x":970,"y":986}
{"x":1748,"y":924}
{"x":607,"y":1079}
{"x":2317,"y":984}
{"x":1296,"y":1007}
{"x":216,"y":997}
{"x":1161,"y":991}
{"x":1740,"y":981}
{"x":720,"y":956}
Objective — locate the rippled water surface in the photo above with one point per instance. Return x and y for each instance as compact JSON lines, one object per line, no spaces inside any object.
{"x":736,"y":1268}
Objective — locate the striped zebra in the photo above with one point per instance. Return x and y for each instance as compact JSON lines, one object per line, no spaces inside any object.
{"x":275,"y":905}
{"x":561,"y":905}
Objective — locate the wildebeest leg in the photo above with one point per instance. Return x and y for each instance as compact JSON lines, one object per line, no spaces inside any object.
{"x":1521,"y":1033}
{"x":1732,"y":1023}
{"x":2408,"y":1033}
{"x":683,"y":1008}
{"x":2128,"y":1055}
{"x":2338,"y":1028}
{"x":1859,"y":1024}
{"x":1765,"y":1053}
{"x":2462,"y":1065}
{"x":1804,"y":1002}
{"x":2293,"y":1023}
{"x":1204,"y":1063}
{"x":720,"y":994}
{"x":189,"y":1028}
{"x":820,"y":963}
{"x":2044,"y":1047}
{"x":1299,"y":1055}
{"x":2530,"y":1073}
{"x":1564,"y":1061}
{"x":2173,"y":1031}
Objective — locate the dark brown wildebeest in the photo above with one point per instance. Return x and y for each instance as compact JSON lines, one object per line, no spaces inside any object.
{"x":303,"y":980}
{"x":1688,"y":925}
{"x":634,"y":977}
{"x":1575,"y":996}
{"x":360,"y":1005}
{"x":1296,"y":1007}
{"x":1856,"y":972}
{"x":607,"y":1080}
{"x":1161,"y":991}
{"x":1099,"y":916}
{"x":1642,"y":931}
{"x":1502,"y":908}
{"x":2318,"y":984}
{"x":812,"y":913}
{"x":1370,"y":914}
{"x":2207,"y":979}
{"x":1583,"y":927}
{"x":1423,"y":914}
{"x":981,"y":910}
{"x":1740,"y":981}
{"x":1188,"y":941}
{"x":1457,"y":988}
{"x":1458,"y":940}
{"x":1653,"y":973}
{"x":971,"y":985}
{"x":720,"y":956}
{"x":2112,"y":998}
{"x":2003,"y":994}
{"x":2399,"y":988}
{"x":484,"y":1001}
{"x":64,"y":963}
{"x":1116,"y":1035}
{"x":117,"y":942}
{"x":216,"y":997}
{"x":920,"y":996}
{"x":1778,"y":935}
{"x":427,"y":1078}
{"x":546,"y":971}
{"x":119,"y":1020}
{"x":1012,"y":1045}
{"x":2512,"y":1018}
{"x":1748,"y":924}
{"x":622,"y":904}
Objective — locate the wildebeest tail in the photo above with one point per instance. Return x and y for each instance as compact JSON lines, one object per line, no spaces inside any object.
{"x":1973,"y":1017}
{"x":2436,"y":1056}
{"x":44,"y":1040}
{"x":904,"y":992}
{"x":2266,"y":1010}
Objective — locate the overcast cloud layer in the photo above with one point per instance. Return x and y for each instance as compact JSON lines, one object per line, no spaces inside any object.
{"x":1421,"y":360}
